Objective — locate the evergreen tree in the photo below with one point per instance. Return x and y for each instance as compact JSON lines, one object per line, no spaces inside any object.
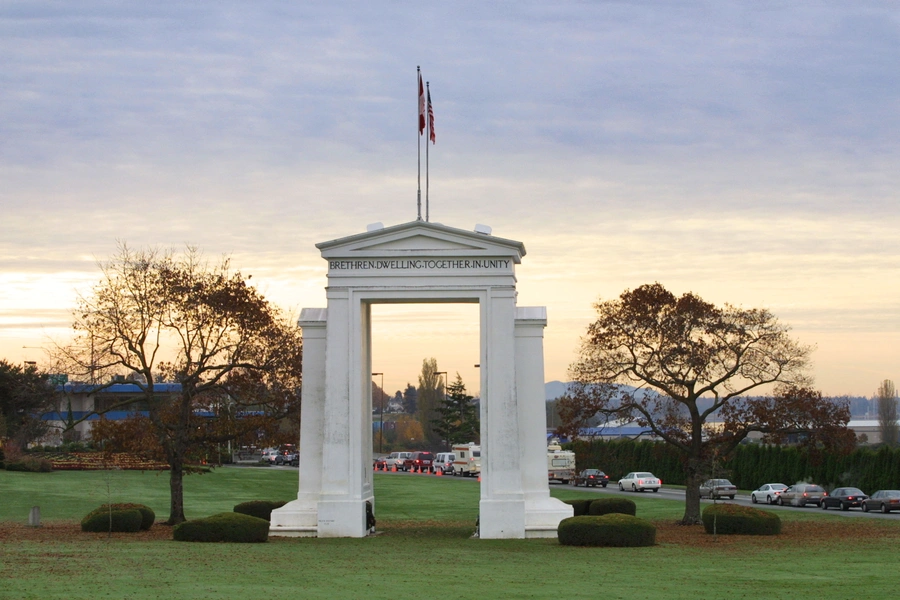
{"x":457,"y":420}
{"x":887,"y":413}
{"x":410,"y":399}
{"x":25,"y":394}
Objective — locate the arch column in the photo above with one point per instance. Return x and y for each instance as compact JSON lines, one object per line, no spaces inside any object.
{"x":300,"y":517}
{"x":542,"y":513}
{"x":347,"y":441}
{"x":502,"y":506}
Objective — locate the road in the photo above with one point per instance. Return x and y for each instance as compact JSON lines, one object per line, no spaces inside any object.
{"x":678,"y":494}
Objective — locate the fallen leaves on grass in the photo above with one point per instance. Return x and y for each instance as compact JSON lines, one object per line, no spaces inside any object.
{"x":813,"y":533}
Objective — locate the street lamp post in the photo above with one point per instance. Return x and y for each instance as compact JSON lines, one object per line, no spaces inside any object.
{"x":381,"y":415}
{"x":444,"y":373}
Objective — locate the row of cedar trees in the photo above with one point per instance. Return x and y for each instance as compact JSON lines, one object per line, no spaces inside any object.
{"x":750,"y":465}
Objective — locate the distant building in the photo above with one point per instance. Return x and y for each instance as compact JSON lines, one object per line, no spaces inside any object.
{"x":80,"y":400}
{"x":868,"y":427}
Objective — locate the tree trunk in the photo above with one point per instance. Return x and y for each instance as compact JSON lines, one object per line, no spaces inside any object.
{"x":176,"y":491}
{"x":693,"y":478}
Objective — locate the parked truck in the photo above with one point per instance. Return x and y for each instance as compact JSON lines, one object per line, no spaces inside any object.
{"x":468,"y":460}
{"x":560,"y":464}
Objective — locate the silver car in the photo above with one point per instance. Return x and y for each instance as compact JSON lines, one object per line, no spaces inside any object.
{"x":638,"y":481}
{"x":767,"y":493}
{"x":802,"y":494}
{"x":718,"y":488}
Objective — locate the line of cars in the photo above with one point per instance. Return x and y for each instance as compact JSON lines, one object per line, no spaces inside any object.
{"x":406,"y":461}
{"x":799,"y":494}
{"x":465,"y":461}
{"x":286,"y":455}
{"x":636,"y":481}
{"x":843,"y":498}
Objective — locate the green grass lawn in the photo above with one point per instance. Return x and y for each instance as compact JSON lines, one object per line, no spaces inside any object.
{"x":424,"y":549}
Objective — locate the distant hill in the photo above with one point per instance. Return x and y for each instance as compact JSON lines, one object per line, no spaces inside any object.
{"x":860,"y":406}
{"x":554,"y":389}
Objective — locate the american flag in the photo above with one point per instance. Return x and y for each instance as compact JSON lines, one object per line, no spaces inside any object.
{"x":430,"y":119}
{"x":421,"y":106}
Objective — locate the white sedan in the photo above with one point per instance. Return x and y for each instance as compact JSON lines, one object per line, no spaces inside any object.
{"x":767,"y":493}
{"x":638,"y":481}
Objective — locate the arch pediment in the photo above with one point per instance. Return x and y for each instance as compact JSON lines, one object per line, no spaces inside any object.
{"x":420,"y":238}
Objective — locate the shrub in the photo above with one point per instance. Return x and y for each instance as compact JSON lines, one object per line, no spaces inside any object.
{"x":605,"y":506}
{"x":581,"y":506}
{"x":30,"y":464}
{"x":148,"y":517}
{"x":126,"y":520}
{"x":223,"y":527}
{"x":729,"y":519}
{"x":613,"y":530}
{"x":261,"y":509}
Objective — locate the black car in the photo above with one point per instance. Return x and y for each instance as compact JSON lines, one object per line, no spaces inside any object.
{"x":591,"y":478}
{"x":843,"y":498}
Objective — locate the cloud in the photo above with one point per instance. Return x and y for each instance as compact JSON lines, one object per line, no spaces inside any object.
{"x":747,"y":152}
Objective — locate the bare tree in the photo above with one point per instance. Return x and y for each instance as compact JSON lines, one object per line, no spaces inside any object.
{"x":162,"y":317}
{"x":887,"y":412}
{"x":683,"y":360}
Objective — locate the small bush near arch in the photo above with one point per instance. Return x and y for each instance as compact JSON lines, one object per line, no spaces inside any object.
{"x":580,"y":506}
{"x":261,"y":509}
{"x":611,"y":530}
{"x":127,"y":520}
{"x":728,"y":519}
{"x":223,"y":527}
{"x":605,"y":506}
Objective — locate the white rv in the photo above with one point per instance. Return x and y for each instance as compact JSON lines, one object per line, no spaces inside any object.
{"x":468,"y":460}
{"x":560,"y":464}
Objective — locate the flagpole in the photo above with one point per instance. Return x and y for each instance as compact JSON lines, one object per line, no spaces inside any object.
{"x":419,"y":147}
{"x":428,"y":129}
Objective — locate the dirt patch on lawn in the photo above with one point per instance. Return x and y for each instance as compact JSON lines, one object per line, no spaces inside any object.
{"x":66,"y":531}
{"x":809,"y":534}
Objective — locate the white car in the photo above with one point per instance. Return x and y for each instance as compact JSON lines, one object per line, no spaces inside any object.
{"x":269,"y":455}
{"x":397,"y":460}
{"x":767,"y":493}
{"x":638,"y":481}
{"x":444,"y":462}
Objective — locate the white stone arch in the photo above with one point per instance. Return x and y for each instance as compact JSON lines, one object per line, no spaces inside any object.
{"x":421,"y":262}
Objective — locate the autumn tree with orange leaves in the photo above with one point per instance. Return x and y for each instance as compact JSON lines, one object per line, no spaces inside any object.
{"x":671,"y":363}
{"x":165,"y":317}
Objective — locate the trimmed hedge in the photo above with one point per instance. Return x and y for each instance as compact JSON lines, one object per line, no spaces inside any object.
{"x":148,"y":517}
{"x":605,"y":506}
{"x":261,"y":509}
{"x":581,"y":506}
{"x":728,"y":519}
{"x":223,"y":527}
{"x":126,"y":520}
{"x":612,"y":530}
{"x":30,"y":464}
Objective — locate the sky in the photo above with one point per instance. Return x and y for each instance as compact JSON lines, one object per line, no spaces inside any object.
{"x":748,"y":152}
